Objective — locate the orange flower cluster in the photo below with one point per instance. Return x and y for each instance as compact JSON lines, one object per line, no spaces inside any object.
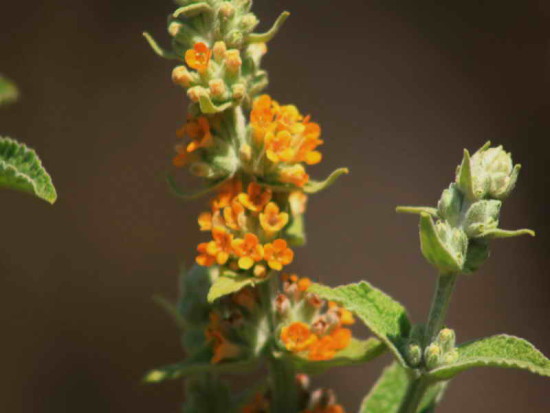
{"x":198,"y":130}
{"x":245,"y":228}
{"x":198,"y":57}
{"x":285,"y":138}
{"x":322,"y":335}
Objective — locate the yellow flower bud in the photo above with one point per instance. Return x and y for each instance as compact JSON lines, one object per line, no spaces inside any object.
{"x":219,"y":51}
{"x":233,"y":60}
{"x":181,"y":76}
{"x":174,"y":28}
{"x":239,"y":90}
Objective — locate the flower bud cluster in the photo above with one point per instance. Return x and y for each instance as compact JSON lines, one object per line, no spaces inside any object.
{"x":312,"y":327}
{"x":235,"y":327}
{"x":468,"y":212}
{"x":440,"y":352}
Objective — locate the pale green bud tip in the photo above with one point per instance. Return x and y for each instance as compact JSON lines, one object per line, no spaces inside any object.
{"x":227,"y":10}
{"x":450,"y":357}
{"x":414,"y":354}
{"x":432,"y":355}
{"x":154,"y":376}
{"x":446,"y":339}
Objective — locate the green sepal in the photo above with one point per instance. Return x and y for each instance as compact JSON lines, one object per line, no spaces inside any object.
{"x":208,"y":107}
{"x":22,"y":170}
{"x":436,"y":250}
{"x":357,"y":352}
{"x":313,"y":187}
{"x":197,"y":364}
{"x":384,"y":316}
{"x":497,"y":351}
{"x":231,"y":283}
{"x":8,"y":91}
{"x":167,"y":54}
{"x":505,"y":233}
{"x":464,"y":177}
{"x":417,"y":210}
{"x":481,"y":216}
{"x":176,"y":190}
{"x":295,"y":231}
{"x":270,"y":34}
{"x":450,"y":205}
{"x":478,"y":252}
{"x":389,"y":392}
{"x":193,"y":10}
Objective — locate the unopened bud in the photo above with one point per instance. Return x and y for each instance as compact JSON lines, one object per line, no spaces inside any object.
{"x":446,"y":339}
{"x":181,"y":76}
{"x":314,"y":300}
{"x":319,"y":326}
{"x":235,"y":39}
{"x":217,"y":88}
{"x":282,"y":304}
{"x":414,"y":354}
{"x":196,"y":92}
{"x":174,"y":28}
{"x":249,"y":22}
{"x":233,"y":60}
{"x":246,"y":152}
{"x":302,"y":380}
{"x":450,"y":357}
{"x":219,"y":50}
{"x":432,"y":355}
{"x":226,"y":9}
{"x":260,"y":271}
{"x":239,"y":91}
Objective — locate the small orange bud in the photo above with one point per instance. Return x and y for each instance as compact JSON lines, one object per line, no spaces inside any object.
{"x":233,"y":60}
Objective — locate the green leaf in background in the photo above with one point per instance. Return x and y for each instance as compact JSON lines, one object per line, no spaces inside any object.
{"x":497,"y":351}
{"x":389,"y":391}
{"x":228,"y":285}
{"x":8,"y":91}
{"x":22,"y":170}
{"x":357,"y":352}
{"x":197,"y":364}
{"x":313,"y":187}
{"x":384,"y":316}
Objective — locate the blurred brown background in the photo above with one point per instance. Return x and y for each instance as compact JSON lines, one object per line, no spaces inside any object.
{"x":400,"y":88}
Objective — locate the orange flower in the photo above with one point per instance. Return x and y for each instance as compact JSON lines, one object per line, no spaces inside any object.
{"x":297,"y":337}
{"x":262,"y":116}
{"x":289,"y":118}
{"x":204,"y":258}
{"x":248,"y":249}
{"x":205,"y":221}
{"x":278,"y":146}
{"x":294,"y":174}
{"x":220,"y":246}
{"x":256,"y":197}
{"x":199,"y":131}
{"x":272,"y":220}
{"x":303,"y":284}
{"x":223,"y":349}
{"x":234,"y":215}
{"x":226,"y":193}
{"x":277,"y":254}
{"x":326,"y":347}
{"x":345,"y":316}
{"x":198,"y":57}
{"x":341,"y":337}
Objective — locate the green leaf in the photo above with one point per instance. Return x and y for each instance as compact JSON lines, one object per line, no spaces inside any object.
{"x":167,"y":54}
{"x":389,"y":391}
{"x":384,"y":316}
{"x":504,"y":233}
{"x":295,"y":232}
{"x":176,"y":190}
{"x":229,"y":285}
{"x":357,"y":352}
{"x":270,"y":34}
{"x":313,"y":187}
{"x":417,"y":210}
{"x":464,"y":178}
{"x":22,"y":170}
{"x":198,"y":364}
{"x":208,"y":107}
{"x":192,"y":10}
{"x":496,"y":351}
{"x":8,"y":91}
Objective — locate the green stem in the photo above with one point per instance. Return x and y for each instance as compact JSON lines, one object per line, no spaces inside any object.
{"x":415,"y":392}
{"x":440,"y":304}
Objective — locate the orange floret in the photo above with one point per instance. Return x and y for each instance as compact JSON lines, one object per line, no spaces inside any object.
{"x":199,"y":131}
{"x":226,"y":193}
{"x":234,"y":215}
{"x":256,"y":197}
{"x":303,"y":284}
{"x":326,"y":347}
{"x":277,"y":254}
{"x":297,"y":337}
{"x":345,"y":316}
{"x":278,"y":146}
{"x":205,"y":221}
{"x":248,"y":250}
{"x":262,"y":116}
{"x":198,"y":57}
{"x":272,"y":220}
{"x":220,"y":246}
{"x":294,"y":174}
{"x":204,"y":258}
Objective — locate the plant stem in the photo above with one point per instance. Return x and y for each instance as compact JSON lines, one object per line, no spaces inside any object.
{"x":440,"y":304}
{"x":282,"y":376}
{"x":438,"y":311}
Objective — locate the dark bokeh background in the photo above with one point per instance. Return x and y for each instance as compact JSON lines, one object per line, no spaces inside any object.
{"x":400,"y":88}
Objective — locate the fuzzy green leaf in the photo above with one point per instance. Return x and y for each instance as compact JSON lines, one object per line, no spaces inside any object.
{"x":497,"y":351}
{"x":229,"y":285}
{"x":270,"y":34}
{"x":387,"y":394}
{"x":295,"y":233}
{"x":22,"y":170}
{"x":313,"y":187}
{"x":193,"y":10}
{"x":506,"y":233}
{"x":209,"y":107}
{"x":167,"y":54}
{"x":357,"y":352}
{"x":384,"y":316}
{"x":433,"y":248}
{"x":417,"y":210}
{"x":464,"y":179}
{"x":8,"y":91}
